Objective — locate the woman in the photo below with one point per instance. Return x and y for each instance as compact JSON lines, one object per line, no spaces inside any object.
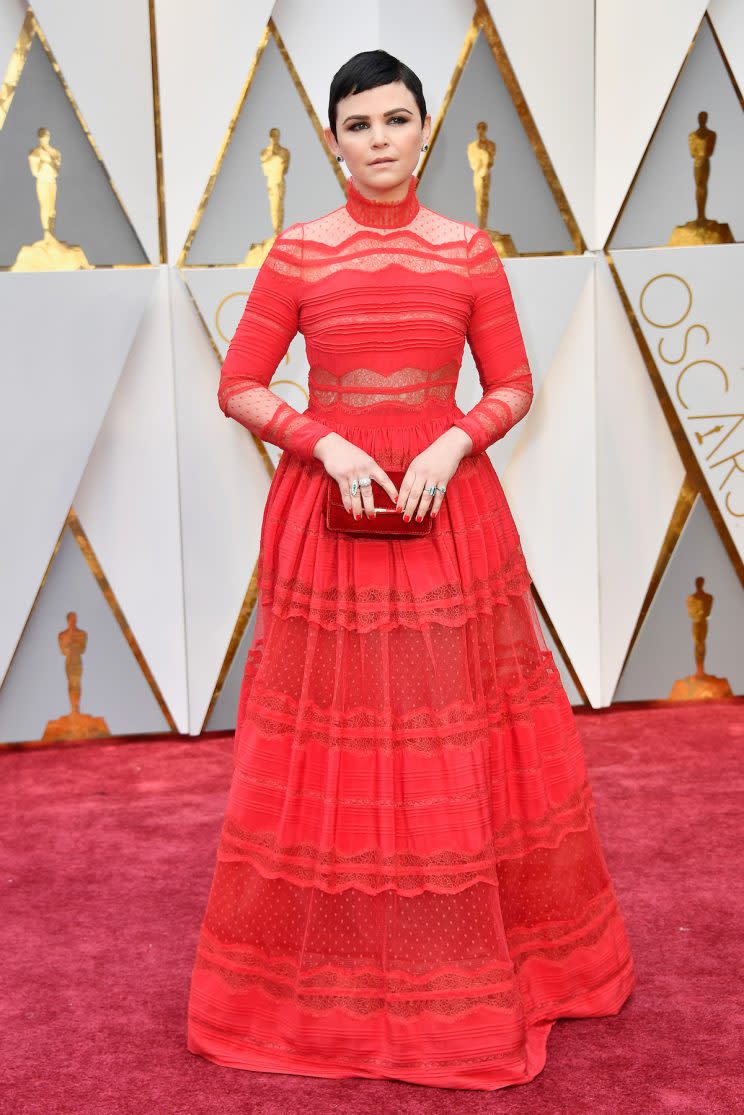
{"x":409,"y":881}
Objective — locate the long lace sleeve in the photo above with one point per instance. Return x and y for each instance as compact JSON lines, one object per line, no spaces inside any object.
{"x":269,"y":322}
{"x":495,"y":340}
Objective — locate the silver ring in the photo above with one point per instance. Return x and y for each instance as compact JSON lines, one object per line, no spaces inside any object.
{"x":442,"y":488}
{"x":431,"y":491}
{"x":362,"y":482}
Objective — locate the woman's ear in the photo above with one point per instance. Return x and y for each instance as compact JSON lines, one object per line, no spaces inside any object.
{"x":331,"y":141}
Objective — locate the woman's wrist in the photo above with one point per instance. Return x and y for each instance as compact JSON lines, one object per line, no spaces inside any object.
{"x":461,"y":441}
{"x":322,"y":442}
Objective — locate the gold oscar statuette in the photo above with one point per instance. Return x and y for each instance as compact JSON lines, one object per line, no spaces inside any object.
{"x":481,"y":155}
{"x":702,"y":143}
{"x":699,"y":686}
{"x":48,"y":254}
{"x":274,"y":164}
{"x":76,"y":724}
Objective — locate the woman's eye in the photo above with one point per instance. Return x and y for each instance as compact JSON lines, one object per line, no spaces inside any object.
{"x":361,"y":123}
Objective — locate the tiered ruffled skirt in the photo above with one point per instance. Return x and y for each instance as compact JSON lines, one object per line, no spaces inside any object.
{"x":409,"y":881}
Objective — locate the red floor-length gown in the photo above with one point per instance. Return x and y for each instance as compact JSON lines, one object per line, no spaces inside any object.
{"x":409,"y":881}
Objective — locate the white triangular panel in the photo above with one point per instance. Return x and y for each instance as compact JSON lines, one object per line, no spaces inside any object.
{"x":551,"y":487}
{"x":688,"y":305}
{"x":205,"y":53}
{"x":224,"y":483}
{"x":132,"y":479}
{"x":727,"y":17}
{"x":550,"y":85}
{"x":65,"y":341}
{"x":103,"y":51}
{"x":640,"y":48}
{"x":639,"y":476}
{"x":545,"y":293}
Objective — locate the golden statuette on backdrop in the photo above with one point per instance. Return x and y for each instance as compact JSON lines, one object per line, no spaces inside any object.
{"x":702,"y":143}
{"x":699,"y":686}
{"x":49,"y":254}
{"x":76,"y":724}
{"x":481,"y":156}
{"x":274,"y":164}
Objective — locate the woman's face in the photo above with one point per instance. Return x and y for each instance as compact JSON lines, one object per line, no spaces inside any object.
{"x":380,"y":123}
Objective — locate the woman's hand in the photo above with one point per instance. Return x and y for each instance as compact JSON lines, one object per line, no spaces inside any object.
{"x":436,"y":465}
{"x":345,"y":462}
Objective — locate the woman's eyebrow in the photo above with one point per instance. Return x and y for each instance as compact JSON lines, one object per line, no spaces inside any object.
{"x":363,"y":116}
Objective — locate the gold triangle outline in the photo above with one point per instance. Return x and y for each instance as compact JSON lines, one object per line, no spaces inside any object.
{"x":269,"y":31}
{"x":158,"y":129}
{"x":246,"y":610}
{"x":631,"y":188}
{"x":482,"y":21}
{"x":91,"y":560}
{"x":559,"y":643}
{"x":14,"y":69}
{"x":727,"y":64}
{"x":683,"y":508}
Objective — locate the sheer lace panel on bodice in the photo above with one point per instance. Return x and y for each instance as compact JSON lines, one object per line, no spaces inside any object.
{"x":365,"y":389}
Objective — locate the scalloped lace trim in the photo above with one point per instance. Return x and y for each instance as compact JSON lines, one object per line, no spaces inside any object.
{"x":364,"y":989}
{"x":405,"y":872}
{"x":361,"y":607}
{"x":458,"y":725}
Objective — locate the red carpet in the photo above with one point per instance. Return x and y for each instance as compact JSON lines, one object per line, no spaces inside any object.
{"x":108,"y":855}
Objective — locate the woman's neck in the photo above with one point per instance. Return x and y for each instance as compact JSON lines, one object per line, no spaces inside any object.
{"x":380,"y":213}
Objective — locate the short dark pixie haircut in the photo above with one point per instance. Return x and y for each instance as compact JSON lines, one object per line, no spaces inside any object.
{"x":367,"y":70}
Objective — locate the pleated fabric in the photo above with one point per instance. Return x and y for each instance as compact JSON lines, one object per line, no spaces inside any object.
{"x":409,"y":881}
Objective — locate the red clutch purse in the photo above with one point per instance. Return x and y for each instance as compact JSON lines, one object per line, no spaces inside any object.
{"x":387,"y":523}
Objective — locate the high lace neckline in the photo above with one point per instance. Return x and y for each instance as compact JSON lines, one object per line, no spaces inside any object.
{"x":382,"y":214}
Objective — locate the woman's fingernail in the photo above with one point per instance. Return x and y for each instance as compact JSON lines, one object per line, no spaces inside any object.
{"x":406,"y":518}
{"x":419,"y":518}
{"x":434,"y":514}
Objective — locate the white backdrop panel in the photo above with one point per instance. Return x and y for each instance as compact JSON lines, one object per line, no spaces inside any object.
{"x":552,"y":489}
{"x":639,"y":476}
{"x":545,"y":293}
{"x":65,"y":342}
{"x":128,"y":502}
{"x":223,"y":492}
